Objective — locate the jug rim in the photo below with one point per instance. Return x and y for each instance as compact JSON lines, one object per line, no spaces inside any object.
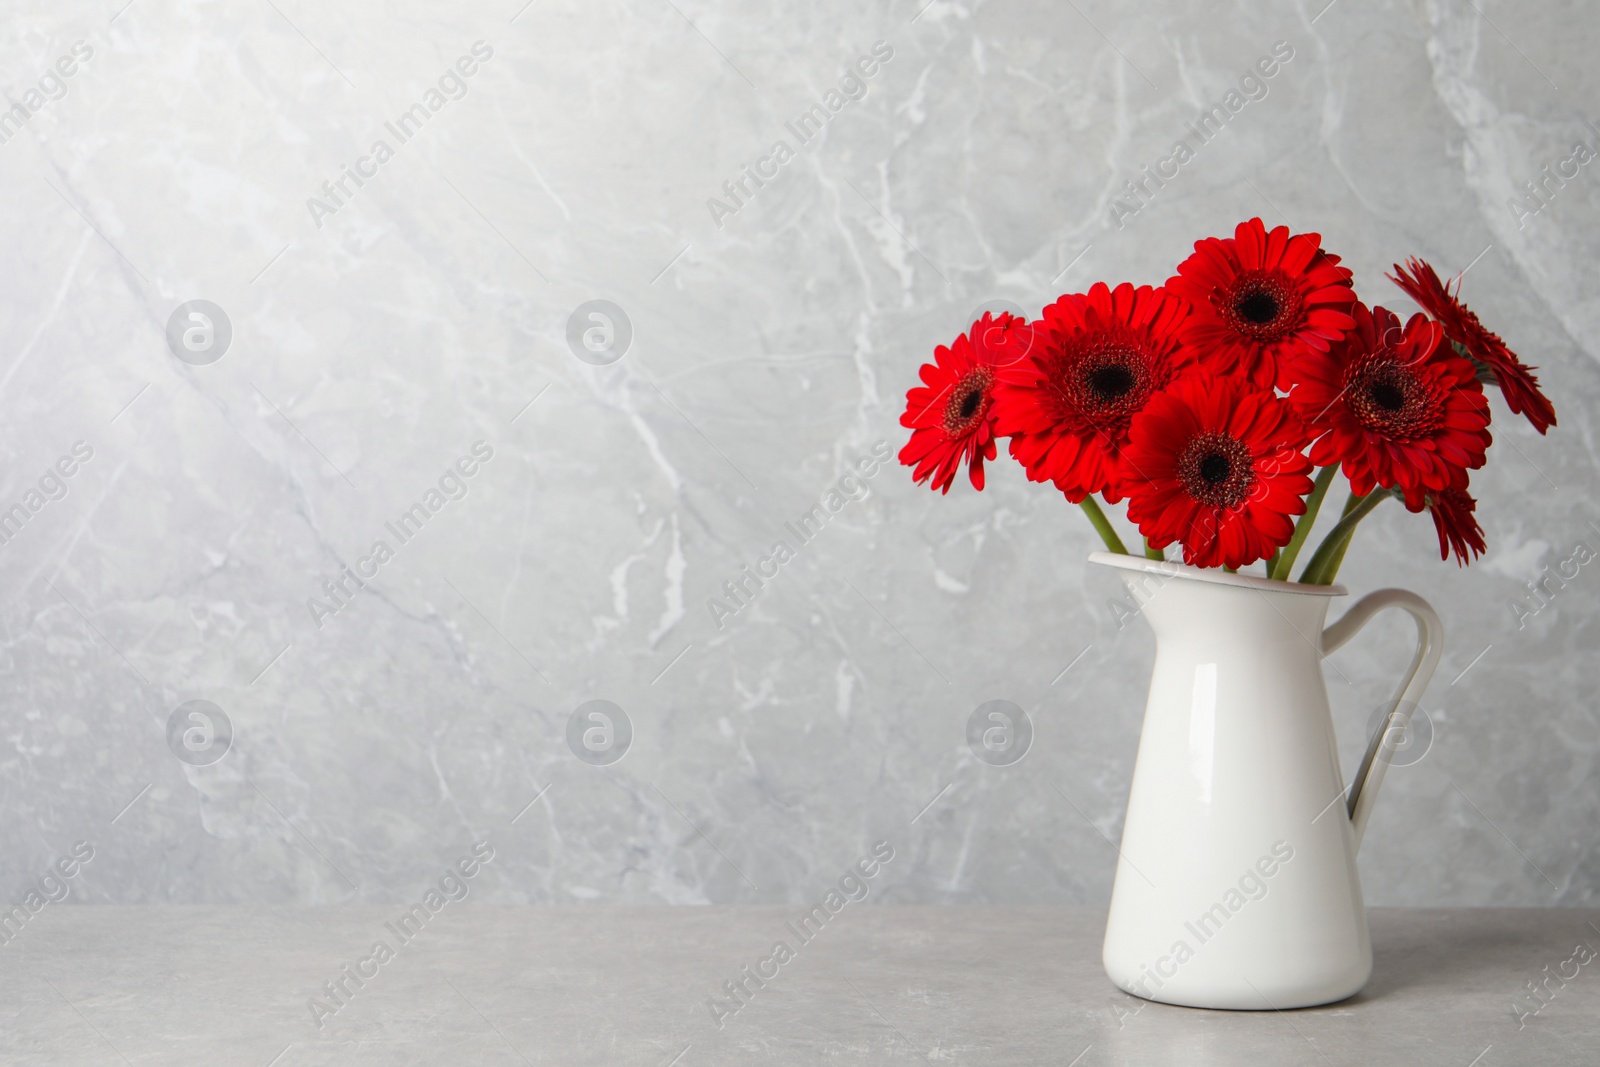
{"x":1215,"y":576}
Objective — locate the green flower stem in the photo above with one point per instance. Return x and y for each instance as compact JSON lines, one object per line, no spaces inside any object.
{"x":1325,"y":562}
{"x":1151,"y":552}
{"x":1102,"y":526}
{"x":1302,"y":529}
{"x":1338,"y":559}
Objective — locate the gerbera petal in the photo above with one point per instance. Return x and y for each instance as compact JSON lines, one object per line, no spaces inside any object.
{"x":1300,"y":251}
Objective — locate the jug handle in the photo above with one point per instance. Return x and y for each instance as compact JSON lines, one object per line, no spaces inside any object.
{"x":1430,"y":645}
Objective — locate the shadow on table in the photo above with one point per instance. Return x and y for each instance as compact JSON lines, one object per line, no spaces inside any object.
{"x":1410,"y":952}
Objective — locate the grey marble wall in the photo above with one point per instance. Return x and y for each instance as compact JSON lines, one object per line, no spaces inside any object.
{"x":414,"y":338}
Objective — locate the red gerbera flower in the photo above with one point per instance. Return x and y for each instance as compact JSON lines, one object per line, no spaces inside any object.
{"x":1260,"y":299}
{"x":1458,"y":530}
{"x":1515,"y":378}
{"x":1100,"y":357}
{"x":951,"y":415}
{"x":1216,"y":464}
{"x":1396,"y":407}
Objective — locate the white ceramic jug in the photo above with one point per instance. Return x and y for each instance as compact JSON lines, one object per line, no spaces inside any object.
{"x":1236,"y":886}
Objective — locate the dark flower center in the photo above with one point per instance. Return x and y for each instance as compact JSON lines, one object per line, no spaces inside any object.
{"x":969,"y":402}
{"x":1109,"y":381}
{"x":1258,"y":307}
{"x":1099,"y":379}
{"x":1387,"y":395}
{"x":1216,"y":469}
{"x":1262,"y":306}
{"x":1390,"y":399}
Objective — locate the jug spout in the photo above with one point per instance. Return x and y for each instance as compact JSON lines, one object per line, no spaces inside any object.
{"x":1186,"y":603}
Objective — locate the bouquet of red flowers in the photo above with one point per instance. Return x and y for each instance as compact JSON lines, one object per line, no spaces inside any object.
{"x":1222,"y":405}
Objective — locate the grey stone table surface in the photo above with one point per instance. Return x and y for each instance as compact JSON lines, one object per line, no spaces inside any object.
{"x":877,"y":985}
